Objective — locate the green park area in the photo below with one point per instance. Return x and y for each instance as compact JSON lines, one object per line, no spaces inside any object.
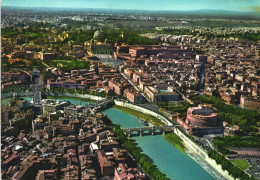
{"x":226,"y":164}
{"x":81,"y":36}
{"x":245,"y":36}
{"x":180,"y":108}
{"x":237,"y":141}
{"x":6,"y":33}
{"x":176,"y":141}
{"x":113,"y":35}
{"x":30,"y":35}
{"x":68,"y":64}
{"x":223,"y":144}
{"x":149,"y":118}
{"x":241,"y":163}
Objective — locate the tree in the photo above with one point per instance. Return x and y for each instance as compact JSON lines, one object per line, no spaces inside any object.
{"x":227,"y":165}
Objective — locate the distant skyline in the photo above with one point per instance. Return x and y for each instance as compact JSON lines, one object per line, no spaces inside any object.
{"x":167,"y":5}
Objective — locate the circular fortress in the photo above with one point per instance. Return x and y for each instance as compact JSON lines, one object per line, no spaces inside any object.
{"x":203,"y":120}
{"x":202,"y":116}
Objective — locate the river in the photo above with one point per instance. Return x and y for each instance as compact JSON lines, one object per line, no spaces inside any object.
{"x":172,"y":162}
{"x":6,"y":100}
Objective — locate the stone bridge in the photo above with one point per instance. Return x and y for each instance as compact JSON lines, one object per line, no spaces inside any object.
{"x":151,"y":130}
{"x":101,"y":104}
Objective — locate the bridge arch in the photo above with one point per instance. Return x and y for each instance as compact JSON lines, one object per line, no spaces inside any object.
{"x":134,"y":132}
{"x":146,"y":131}
{"x":158,"y":131}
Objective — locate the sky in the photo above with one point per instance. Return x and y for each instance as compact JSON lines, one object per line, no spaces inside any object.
{"x":168,"y":5}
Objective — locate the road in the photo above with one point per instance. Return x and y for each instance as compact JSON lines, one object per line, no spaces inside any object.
{"x":45,"y":64}
{"x":202,"y":78}
{"x":183,"y":96}
{"x":136,"y":88}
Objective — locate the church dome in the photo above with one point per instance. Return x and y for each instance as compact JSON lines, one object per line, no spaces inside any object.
{"x":98,"y":35}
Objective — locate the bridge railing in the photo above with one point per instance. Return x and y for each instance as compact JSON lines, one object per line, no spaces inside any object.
{"x":152,"y":130}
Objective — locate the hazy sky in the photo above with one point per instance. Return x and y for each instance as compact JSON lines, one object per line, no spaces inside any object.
{"x":232,"y":5}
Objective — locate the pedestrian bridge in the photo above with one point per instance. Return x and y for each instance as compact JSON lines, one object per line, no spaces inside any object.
{"x":151,"y":130}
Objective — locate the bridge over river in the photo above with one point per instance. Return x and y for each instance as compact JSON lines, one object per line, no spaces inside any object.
{"x":148,"y":130}
{"x":102,"y":105}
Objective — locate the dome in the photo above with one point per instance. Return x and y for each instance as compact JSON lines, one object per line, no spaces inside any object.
{"x":98,"y":35}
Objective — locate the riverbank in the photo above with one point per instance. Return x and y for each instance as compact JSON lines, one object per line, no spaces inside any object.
{"x":149,"y":118}
{"x":63,"y":95}
{"x":74,"y":95}
{"x":210,"y":164}
{"x":143,"y":161}
{"x":176,"y":141}
{"x":71,"y":97}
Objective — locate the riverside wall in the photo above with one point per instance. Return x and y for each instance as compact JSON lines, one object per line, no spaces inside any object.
{"x":143,"y":110}
{"x":86,"y":96}
{"x":203,"y":153}
{"x":57,"y":94}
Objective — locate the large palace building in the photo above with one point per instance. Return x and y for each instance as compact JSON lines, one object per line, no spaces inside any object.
{"x":202,"y":120}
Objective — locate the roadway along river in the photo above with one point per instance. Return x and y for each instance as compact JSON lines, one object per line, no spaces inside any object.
{"x":171,"y":161}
